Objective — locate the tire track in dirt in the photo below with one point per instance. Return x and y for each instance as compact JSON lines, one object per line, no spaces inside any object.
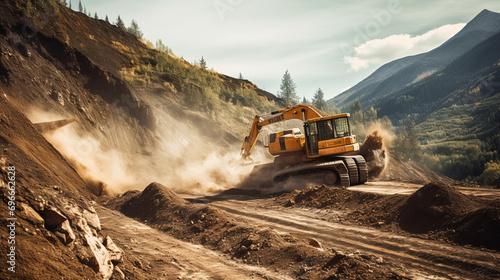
{"x":423,"y":258}
{"x":170,"y":258}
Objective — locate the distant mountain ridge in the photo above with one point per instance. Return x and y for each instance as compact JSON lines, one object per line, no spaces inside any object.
{"x":393,"y":77}
{"x":452,"y":94}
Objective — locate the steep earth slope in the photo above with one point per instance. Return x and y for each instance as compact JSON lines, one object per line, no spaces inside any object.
{"x":132,"y":104}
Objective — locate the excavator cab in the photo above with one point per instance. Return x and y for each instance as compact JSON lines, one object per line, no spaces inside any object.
{"x":329,"y":136}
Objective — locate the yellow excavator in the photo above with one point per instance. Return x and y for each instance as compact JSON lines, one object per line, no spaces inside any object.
{"x":326,"y":154}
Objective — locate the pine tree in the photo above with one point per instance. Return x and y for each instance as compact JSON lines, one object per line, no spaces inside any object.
{"x":107,"y":19}
{"x":161,"y":46}
{"x":287,"y":90}
{"x":356,"y":110}
{"x":319,"y":101}
{"x":95,"y":16}
{"x":203,"y":63}
{"x":371,"y":115}
{"x":241,"y":77}
{"x":70,"y":4}
{"x":120,"y":24}
{"x":80,"y":7}
{"x":406,"y":142}
{"x":135,"y":30}
{"x":305,"y":101}
{"x":85,"y":10}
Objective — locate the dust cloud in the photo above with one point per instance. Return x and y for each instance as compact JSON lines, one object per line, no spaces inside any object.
{"x":375,"y":148}
{"x":383,"y":130}
{"x":183,"y":160}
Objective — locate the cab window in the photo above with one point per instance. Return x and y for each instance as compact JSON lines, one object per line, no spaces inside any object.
{"x":342,"y":128}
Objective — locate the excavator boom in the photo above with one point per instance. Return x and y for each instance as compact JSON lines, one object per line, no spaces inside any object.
{"x":300,"y":112}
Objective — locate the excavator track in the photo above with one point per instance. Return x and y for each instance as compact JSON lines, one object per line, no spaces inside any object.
{"x":342,"y":171}
{"x":362,"y":168}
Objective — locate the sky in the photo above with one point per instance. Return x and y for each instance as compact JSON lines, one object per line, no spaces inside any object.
{"x":327,"y":44}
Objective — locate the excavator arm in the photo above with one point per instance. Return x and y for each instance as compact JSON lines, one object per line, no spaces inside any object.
{"x":300,"y":112}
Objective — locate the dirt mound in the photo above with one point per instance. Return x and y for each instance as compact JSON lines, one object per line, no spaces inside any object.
{"x":151,"y":202}
{"x":435,"y":211}
{"x":163,"y":209}
{"x":433,"y":207}
{"x":160,"y":207}
{"x":323,"y":197}
{"x":370,"y":209}
{"x":480,"y":228}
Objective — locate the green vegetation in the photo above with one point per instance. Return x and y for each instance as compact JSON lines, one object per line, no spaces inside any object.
{"x":197,"y":87}
{"x":135,"y":30}
{"x":362,"y":121}
{"x":120,"y":24}
{"x":319,"y":101}
{"x":287,"y":90}
{"x":203,"y":63}
{"x":406,"y":142}
{"x":463,"y":141}
{"x":491,"y":173}
{"x":162,"y":47}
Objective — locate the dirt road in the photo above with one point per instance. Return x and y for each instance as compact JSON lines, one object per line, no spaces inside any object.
{"x":164,"y":257}
{"x":410,"y":256}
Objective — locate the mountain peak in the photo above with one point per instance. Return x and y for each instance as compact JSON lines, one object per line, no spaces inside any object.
{"x":486,"y":20}
{"x":486,"y":12}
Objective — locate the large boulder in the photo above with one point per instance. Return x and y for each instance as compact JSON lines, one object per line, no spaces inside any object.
{"x":115,"y":253}
{"x":31,"y":215}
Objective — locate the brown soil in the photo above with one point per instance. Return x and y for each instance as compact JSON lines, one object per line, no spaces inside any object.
{"x":479,"y":228}
{"x":400,"y":170}
{"x":40,"y":255}
{"x":161,"y":208}
{"x":436,"y":211}
{"x":373,"y":151}
{"x":434,"y":207}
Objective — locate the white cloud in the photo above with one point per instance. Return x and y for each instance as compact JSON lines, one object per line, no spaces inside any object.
{"x":380,"y":51}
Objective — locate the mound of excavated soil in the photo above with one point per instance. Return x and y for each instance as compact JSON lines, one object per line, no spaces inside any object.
{"x":151,"y":203}
{"x":162,"y":208}
{"x":360,"y":207}
{"x":323,"y":197}
{"x":434,"y":207}
{"x":435,"y":211}
{"x":480,"y":228}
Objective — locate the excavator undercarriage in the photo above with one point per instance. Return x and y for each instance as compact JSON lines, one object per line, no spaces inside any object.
{"x":342,"y":171}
